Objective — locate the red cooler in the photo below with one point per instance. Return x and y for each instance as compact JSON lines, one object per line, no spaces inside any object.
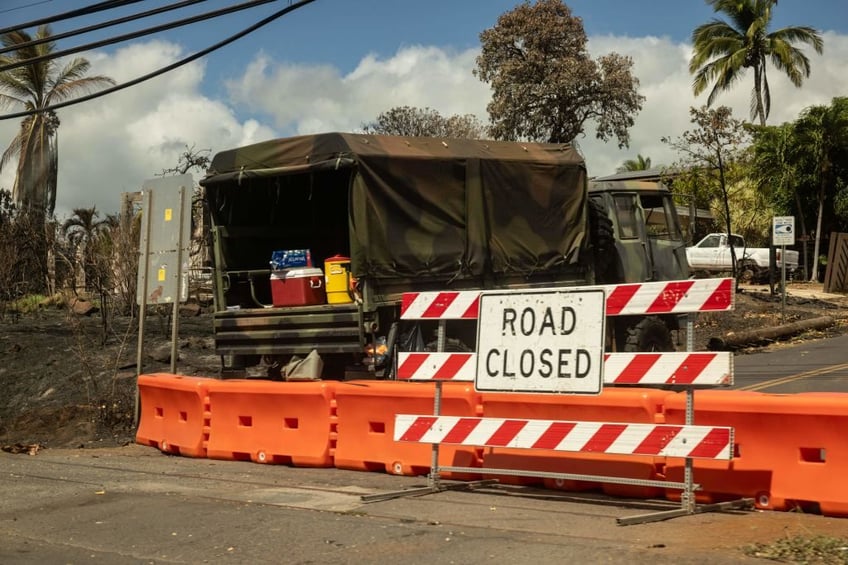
{"x":298,"y":287}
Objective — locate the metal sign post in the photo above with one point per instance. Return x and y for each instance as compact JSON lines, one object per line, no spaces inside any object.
{"x":783,"y":234}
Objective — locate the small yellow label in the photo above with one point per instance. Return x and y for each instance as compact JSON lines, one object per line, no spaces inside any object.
{"x":161,"y":274}
{"x":168,"y":213}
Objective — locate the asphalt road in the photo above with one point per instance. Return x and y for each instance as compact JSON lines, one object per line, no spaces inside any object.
{"x":135,"y":505}
{"x":816,"y":366}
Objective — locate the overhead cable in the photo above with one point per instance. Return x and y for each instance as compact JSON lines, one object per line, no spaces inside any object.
{"x":163,"y":70}
{"x":93,"y":9}
{"x":96,"y":27}
{"x":24,"y":6}
{"x":133,"y":35}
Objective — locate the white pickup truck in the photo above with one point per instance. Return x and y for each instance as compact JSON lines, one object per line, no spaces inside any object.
{"x":712,"y":254}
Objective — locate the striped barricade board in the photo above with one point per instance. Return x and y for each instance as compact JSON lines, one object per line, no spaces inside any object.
{"x":698,"y":442}
{"x":668,"y":297}
{"x":669,"y":368}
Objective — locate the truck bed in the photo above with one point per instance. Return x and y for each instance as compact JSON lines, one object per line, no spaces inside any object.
{"x":328,"y":328}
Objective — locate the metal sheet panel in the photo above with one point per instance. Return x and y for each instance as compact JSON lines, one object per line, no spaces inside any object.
{"x":165,"y":240}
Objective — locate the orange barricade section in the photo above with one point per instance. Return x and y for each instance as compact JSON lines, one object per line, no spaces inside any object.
{"x":366,"y":419}
{"x":631,"y":405}
{"x":288,"y":423}
{"x":175,"y":413}
{"x":790,"y":450}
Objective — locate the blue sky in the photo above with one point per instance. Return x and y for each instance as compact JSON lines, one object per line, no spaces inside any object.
{"x":341,"y":32}
{"x":335,"y":64}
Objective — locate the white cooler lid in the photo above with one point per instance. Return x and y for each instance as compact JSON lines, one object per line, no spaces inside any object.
{"x":297,"y":273}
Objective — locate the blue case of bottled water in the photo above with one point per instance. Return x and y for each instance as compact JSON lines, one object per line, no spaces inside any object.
{"x":290,"y":258}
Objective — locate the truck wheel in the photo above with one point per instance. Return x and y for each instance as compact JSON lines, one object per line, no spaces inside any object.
{"x":747,"y":272}
{"x":650,"y":334}
{"x":602,"y":239}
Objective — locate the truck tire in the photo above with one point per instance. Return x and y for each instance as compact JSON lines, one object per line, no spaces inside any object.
{"x":650,"y":334}
{"x":602,"y":240}
{"x":747,"y":272}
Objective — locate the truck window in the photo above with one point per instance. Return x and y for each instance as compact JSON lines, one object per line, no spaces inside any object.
{"x":737,"y":242}
{"x":711,"y":241}
{"x":661,"y":217}
{"x":625,"y":212}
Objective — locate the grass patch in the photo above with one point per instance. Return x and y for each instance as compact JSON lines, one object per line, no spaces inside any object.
{"x":27,"y":304}
{"x":802,"y":549}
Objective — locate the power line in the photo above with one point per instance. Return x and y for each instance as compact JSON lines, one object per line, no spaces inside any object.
{"x":100,"y":26}
{"x":134,"y":34}
{"x":290,"y":8}
{"x":24,"y":6}
{"x":93,"y":9}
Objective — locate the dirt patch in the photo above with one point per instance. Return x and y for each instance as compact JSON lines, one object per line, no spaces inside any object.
{"x":64,"y":382}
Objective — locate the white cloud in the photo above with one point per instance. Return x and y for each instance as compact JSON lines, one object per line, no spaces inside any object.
{"x":112,"y":144}
{"x":311,"y":99}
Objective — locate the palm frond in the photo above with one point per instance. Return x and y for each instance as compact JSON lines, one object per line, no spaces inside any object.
{"x":712,"y":40}
{"x":12,"y":151}
{"x":15,"y":86}
{"x":790,"y":60}
{"x":65,"y":90}
{"x":800,"y":34}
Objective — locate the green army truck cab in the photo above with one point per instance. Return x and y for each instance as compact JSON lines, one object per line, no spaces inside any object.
{"x":649,"y":246}
{"x":415,"y":214}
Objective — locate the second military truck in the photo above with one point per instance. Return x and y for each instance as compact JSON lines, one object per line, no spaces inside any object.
{"x":317,"y":237}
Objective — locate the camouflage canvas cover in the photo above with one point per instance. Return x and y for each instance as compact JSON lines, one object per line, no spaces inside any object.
{"x":422,"y":207}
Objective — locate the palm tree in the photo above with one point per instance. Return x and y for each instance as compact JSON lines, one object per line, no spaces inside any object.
{"x":638,"y":164}
{"x":81,"y":229}
{"x":822,"y":133}
{"x":35,"y":87}
{"x":722,"y":51}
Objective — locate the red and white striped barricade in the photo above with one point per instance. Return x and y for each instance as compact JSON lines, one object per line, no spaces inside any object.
{"x":688,"y":369}
{"x":673,"y":297}
{"x":671,"y":368}
{"x":702,"y":442}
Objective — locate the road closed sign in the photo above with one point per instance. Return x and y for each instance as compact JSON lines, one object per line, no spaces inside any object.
{"x":545,"y":341}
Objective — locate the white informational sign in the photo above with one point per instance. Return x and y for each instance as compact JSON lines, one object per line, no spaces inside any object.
{"x":783,"y":230}
{"x":546,"y":341}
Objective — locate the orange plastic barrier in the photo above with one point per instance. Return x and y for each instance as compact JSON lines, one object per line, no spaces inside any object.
{"x":791,"y":450}
{"x":289,"y":423}
{"x":366,"y":419}
{"x":632,"y":405}
{"x":174,"y":413}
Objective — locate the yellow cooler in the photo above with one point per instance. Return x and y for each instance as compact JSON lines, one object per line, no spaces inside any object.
{"x":338,"y":280}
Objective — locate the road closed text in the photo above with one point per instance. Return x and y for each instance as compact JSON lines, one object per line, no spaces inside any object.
{"x":561,"y":363}
{"x":541,"y":341}
{"x":547,"y":363}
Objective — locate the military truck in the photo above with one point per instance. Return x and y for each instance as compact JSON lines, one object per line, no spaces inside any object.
{"x":416,"y":214}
